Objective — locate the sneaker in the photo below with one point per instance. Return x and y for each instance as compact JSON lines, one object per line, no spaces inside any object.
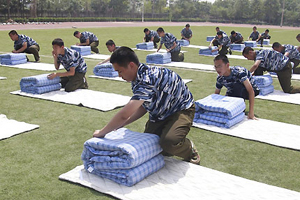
{"x":229,"y":50}
{"x":195,"y":158}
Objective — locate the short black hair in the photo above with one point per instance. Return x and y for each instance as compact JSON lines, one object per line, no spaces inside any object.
{"x":13,"y":32}
{"x":187,"y":25}
{"x":123,"y":56}
{"x":232,"y":32}
{"x":160,"y":29}
{"x":247,"y":50}
{"x":255,"y":27}
{"x":267,"y":30}
{"x":145,"y":30}
{"x":298,"y":36}
{"x":222,"y":57}
{"x":58,"y":42}
{"x":217,"y":27}
{"x":75,"y":33}
{"x":276,"y":45}
{"x":219,"y":33}
{"x":110,"y":43}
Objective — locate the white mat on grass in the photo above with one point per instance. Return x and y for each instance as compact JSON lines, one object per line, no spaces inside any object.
{"x":88,"y":98}
{"x":230,"y":56}
{"x":262,"y":130}
{"x":10,"y":127}
{"x":155,"y":50}
{"x":280,"y":96}
{"x":97,"y":56}
{"x":36,"y":66}
{"x":2,"y":78}
{"x":186,"y":65}
{"x":120,"y":79}
{"x":294,"y":76}
{"x":196,"y":46}
{"x":183,"y":180}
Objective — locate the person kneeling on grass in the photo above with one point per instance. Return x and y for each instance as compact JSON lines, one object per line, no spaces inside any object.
{"x":72,"y":61}
{"x":163,"y":94}
{"x":238,"y":81}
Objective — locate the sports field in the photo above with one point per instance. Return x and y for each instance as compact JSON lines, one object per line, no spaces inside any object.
{"x":31,"y":162}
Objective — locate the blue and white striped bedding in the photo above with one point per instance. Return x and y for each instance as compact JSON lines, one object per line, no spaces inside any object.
{"x":39,"y":84}
{"x":130,"y":177}
{"x":83,"y":50}
{"x":263,"y":81}
{"x":250,"y":43}
{"x":237,"y":47}
{"x":208,"y":51}
{"x":218,"y":110}
{"x":219,"y":121}
{"x":145,"y":45}
{"x":209,"y":38}
{"x":184,"y":42}
{"x":120,"y":149}
{"x":266,"y":90}
{"x":13,"y":58}
{"x":158,"y":58}
{"x":105,"y":70}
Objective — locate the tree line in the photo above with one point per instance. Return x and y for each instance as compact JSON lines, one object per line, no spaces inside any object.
{"x":275,"y":12}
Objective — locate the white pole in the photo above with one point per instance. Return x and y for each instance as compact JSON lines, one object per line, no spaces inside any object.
{"x":143,"y":12}
{"x":281,"y":22}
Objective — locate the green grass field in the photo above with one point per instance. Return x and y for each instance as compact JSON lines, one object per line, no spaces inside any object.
{"x":31,"y":162}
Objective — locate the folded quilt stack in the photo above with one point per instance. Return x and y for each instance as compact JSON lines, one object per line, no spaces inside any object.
{"x":265,"y":42}
{"x":208,"y":51}
{"x":123,"y":156}
{"x":237,"y":47}
{"x":145,"y":45}
{"x":83,"y":50}
{"x":39,"y":84}
{"x":250,"y":43}
{"x":158,"y":58}
{"x":13,"y":58}
{"x":264,"y":83}
{"x":184,"y":42}
{"x":221,"y":111}
{"x":209,"y":38}
{"x":105,"y":70}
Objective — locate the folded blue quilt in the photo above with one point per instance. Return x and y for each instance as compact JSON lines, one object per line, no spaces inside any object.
{"x":220,"y":122}
{"x":145,"y":45}
{"x":209,"y":38}
{"x":105,"y":70}
{"x":215,"y":103}
{"x":130,"y":177}
{"x":120,"y":149}
{"x":237,"y":47}
{"x":158,"y":58}
{"x":266,"y":90}
{"x":83,"y":50}
{"x":184,"y":42}
{"x":208,"y":51}
{"x":13,"y":56}
{"x":263,"y":81}
{"x":39,"y":84}
{"x":5,"y":61}
{"x":41,"y":89}
{"x":250,"y":43}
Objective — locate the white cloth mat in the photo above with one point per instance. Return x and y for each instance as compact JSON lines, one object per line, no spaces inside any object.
{"x":294,"y":76}
{"x":87,"y":98}
{"x":155,"y":50}
{"x":2,"y":78}
{"x":230,"y":56}
{"x":120,"y":79}
{"x":262,"y":130}
{"x":97,"y":56}
{"x":10,"y":127}
{"x":183,"y":180}
{"x":36,"y":66}
{"x":280,"y":96}
{"x":196,"y":46}
{"x":186,"y":65}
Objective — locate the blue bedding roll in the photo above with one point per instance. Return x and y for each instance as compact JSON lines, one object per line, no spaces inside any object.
{"x":105,"y":70}
{"x":41,"y":89}
{"x":39,"y":84}
{"x":120,"y":149}
{"x":158,"y":58}
{"x":184,"y":42}
{"x":13,"y":58}
{"x":208,"y":51}
{"x":266,"y":90}
{"x":145,"y":45}
{"x":219,"y":121}
{"x":263,"y":81}
{"x":83,"y":50}
{"x":13,"y":62}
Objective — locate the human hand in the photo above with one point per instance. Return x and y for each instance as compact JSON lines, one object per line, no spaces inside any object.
{"x":251,"y":116}
{"x":51,"y":76}
{"x":14,"y":51}
{"x":98,"y":134}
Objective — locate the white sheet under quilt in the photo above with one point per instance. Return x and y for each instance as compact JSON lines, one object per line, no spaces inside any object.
{"x":35,"y":66}
{"x":97,"y":56}
{"x":10,"y":127}
{"x":261,"y":130}
{"x":88,"y":98}
{"x":2,"y":78}
{"x":280,"y":96}
{"x":182,"y":180}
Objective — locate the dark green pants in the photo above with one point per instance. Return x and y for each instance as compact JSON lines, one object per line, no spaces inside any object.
{"x":173,"y":131}
{"x":34,"y":49}
{"x":296,"y":68}
{"x":72,"y":83}
{"x":94,"y":46}
{"x":177,"y":56}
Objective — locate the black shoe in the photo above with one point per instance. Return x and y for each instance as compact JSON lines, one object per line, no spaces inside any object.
{"x":230,"y":52}
{"x":195,"y":158}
